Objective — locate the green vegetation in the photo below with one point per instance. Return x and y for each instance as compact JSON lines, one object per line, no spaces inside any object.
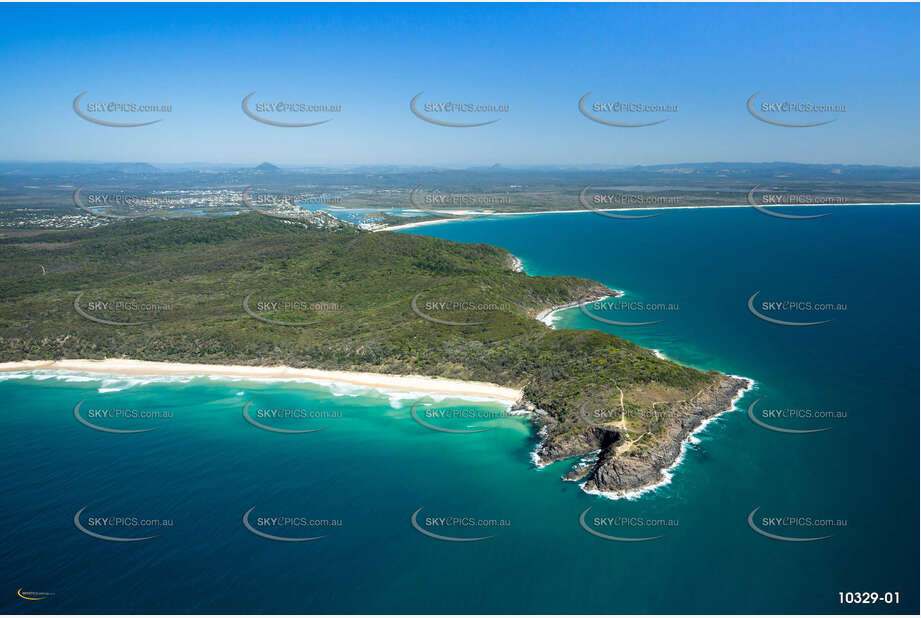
{"x":354,"y":289}
{"x":40,"y":195}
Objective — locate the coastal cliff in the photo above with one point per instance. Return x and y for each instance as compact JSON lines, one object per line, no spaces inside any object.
{"x":619,"y":468}
{"x":249,"y":290}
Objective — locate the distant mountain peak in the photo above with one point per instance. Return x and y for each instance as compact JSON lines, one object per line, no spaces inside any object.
{"x":267,"y":167}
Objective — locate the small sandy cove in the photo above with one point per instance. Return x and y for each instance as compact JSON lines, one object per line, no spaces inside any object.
{"x":410,"y":383}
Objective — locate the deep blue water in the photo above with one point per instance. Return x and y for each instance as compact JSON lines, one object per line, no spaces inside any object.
{"x":372,"y":466}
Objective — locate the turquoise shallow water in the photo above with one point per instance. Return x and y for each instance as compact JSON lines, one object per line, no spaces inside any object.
{"x":372,"y":465}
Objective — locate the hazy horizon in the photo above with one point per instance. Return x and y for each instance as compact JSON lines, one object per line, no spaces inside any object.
{"x":457,"y":166}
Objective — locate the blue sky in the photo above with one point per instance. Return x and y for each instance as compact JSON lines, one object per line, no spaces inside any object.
{"x":537,"y":59}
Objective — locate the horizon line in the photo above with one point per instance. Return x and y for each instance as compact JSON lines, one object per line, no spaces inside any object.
{"x":456,"y":166}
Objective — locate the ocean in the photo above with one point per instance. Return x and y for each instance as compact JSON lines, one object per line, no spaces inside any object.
{"x":372,"y":485}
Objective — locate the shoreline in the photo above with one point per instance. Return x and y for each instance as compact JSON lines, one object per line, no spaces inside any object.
{"x":382,"y":381}
{"x":668,"y":471}
{"x":405,"y":226}
{"x":547,"y":316}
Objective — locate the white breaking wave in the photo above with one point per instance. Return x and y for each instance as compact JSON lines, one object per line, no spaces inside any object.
{"x":667,"y":472}
{"x":112,"y":383}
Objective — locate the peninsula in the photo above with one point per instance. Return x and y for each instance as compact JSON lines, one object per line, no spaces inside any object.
{"x":251,"y":295}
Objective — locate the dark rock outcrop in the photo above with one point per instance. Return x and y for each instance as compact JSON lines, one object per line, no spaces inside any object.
{"x":626,"y":471}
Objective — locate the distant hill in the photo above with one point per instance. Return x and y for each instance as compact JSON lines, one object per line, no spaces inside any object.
{"x":712,"y":169}
{"x":66,"y":168}
{"x":780,"y":169}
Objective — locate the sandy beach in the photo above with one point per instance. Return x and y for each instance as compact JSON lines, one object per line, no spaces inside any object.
{"x":408,"y":383}
{"x":547,"y":315}
{"x":404,"y":226}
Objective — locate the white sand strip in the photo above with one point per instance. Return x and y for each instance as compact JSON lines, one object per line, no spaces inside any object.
{"x":410,"y":383}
